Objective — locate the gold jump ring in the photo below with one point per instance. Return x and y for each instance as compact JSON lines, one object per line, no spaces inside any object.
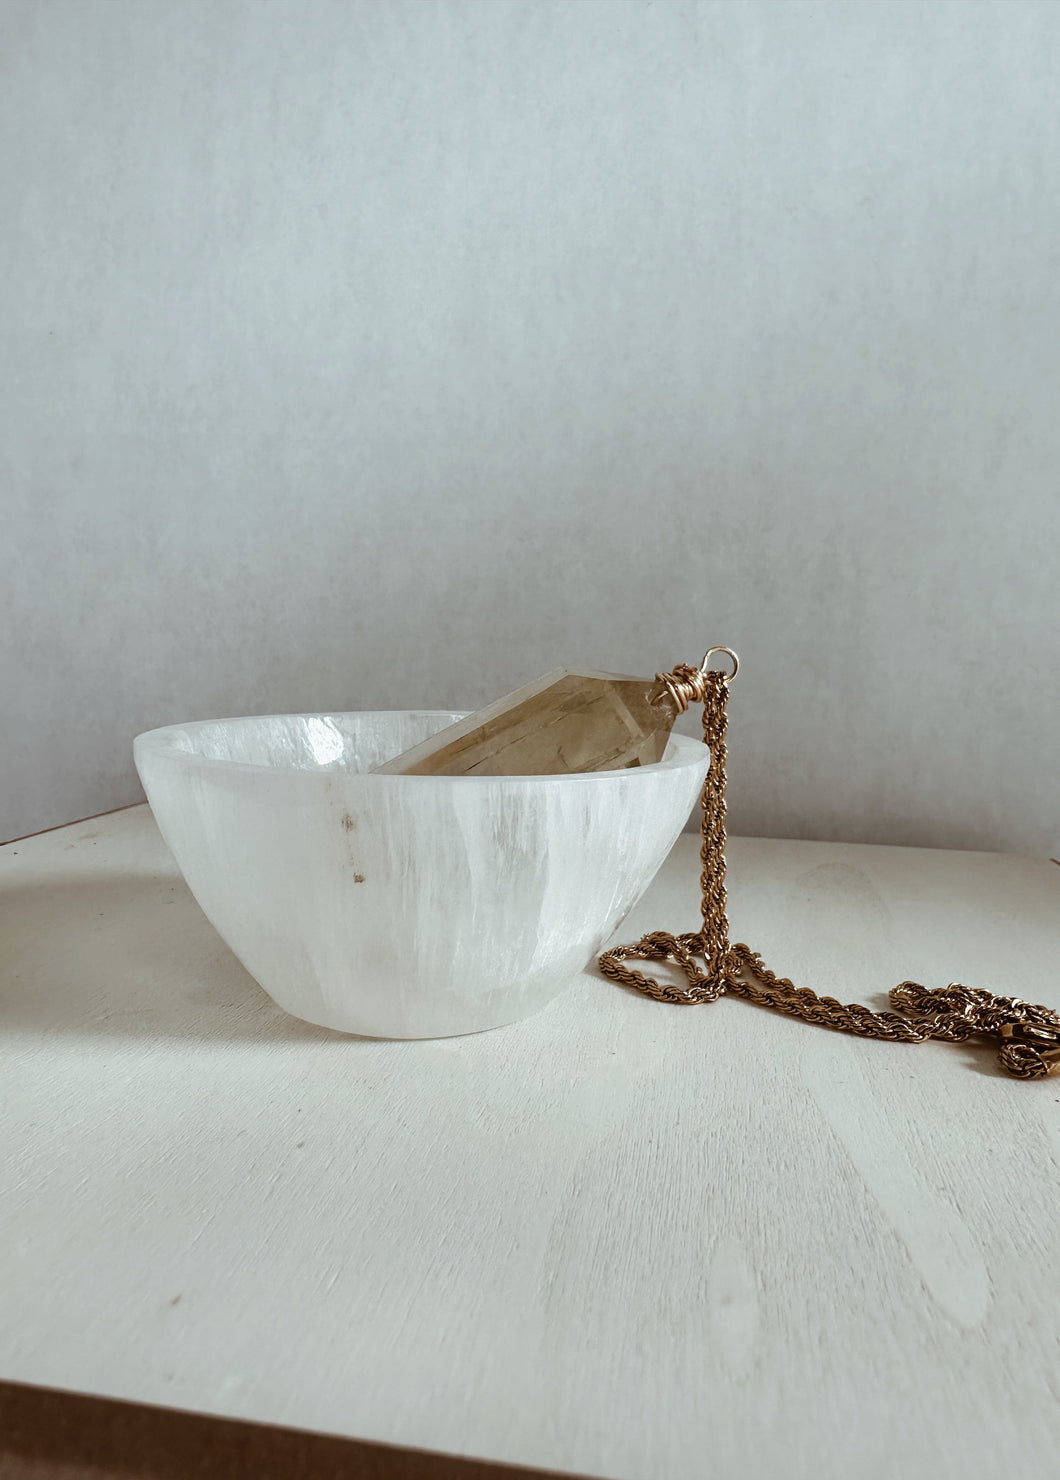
{"x":729,"y":653}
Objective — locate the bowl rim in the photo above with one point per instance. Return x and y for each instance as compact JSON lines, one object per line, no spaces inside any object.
{"x":159,"y":741}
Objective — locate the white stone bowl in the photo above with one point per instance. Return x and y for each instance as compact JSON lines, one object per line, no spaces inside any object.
{"x":405,"y":906}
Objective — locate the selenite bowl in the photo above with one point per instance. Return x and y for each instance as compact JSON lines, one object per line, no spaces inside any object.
{"x":405,"y":906}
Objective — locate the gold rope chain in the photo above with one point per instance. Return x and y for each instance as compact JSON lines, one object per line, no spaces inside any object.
{"x":1030,"y":1033}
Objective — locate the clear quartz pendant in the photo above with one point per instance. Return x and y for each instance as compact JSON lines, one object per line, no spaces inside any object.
{"x":560,"y":723}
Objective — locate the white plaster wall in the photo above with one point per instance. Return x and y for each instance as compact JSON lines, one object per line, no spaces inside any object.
{"x":385,"y":353}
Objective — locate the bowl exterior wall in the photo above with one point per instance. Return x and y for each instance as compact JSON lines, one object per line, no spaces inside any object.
{"x":414,"y":907}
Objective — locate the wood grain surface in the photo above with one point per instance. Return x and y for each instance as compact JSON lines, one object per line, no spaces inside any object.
{"x":618,"y":1238}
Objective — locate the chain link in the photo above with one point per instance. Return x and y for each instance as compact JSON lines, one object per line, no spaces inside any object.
{"x":712,"y":967}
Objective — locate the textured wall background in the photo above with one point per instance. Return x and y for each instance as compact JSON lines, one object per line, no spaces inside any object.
{"x":364,"y":355}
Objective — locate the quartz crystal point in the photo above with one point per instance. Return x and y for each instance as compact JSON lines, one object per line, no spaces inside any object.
{"x":562,"y":722}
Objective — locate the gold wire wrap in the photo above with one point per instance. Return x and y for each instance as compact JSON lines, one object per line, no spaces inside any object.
{"x":1030,"y":1033}
{"x":685,"y":685}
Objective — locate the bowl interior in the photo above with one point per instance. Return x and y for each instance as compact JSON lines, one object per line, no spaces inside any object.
{"x":350,"y":743}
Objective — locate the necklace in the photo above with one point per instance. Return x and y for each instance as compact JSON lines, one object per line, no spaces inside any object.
{"x":1029,"y":1034}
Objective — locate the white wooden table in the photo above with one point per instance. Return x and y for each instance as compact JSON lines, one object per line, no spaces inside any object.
{"x":619,"y":1238}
